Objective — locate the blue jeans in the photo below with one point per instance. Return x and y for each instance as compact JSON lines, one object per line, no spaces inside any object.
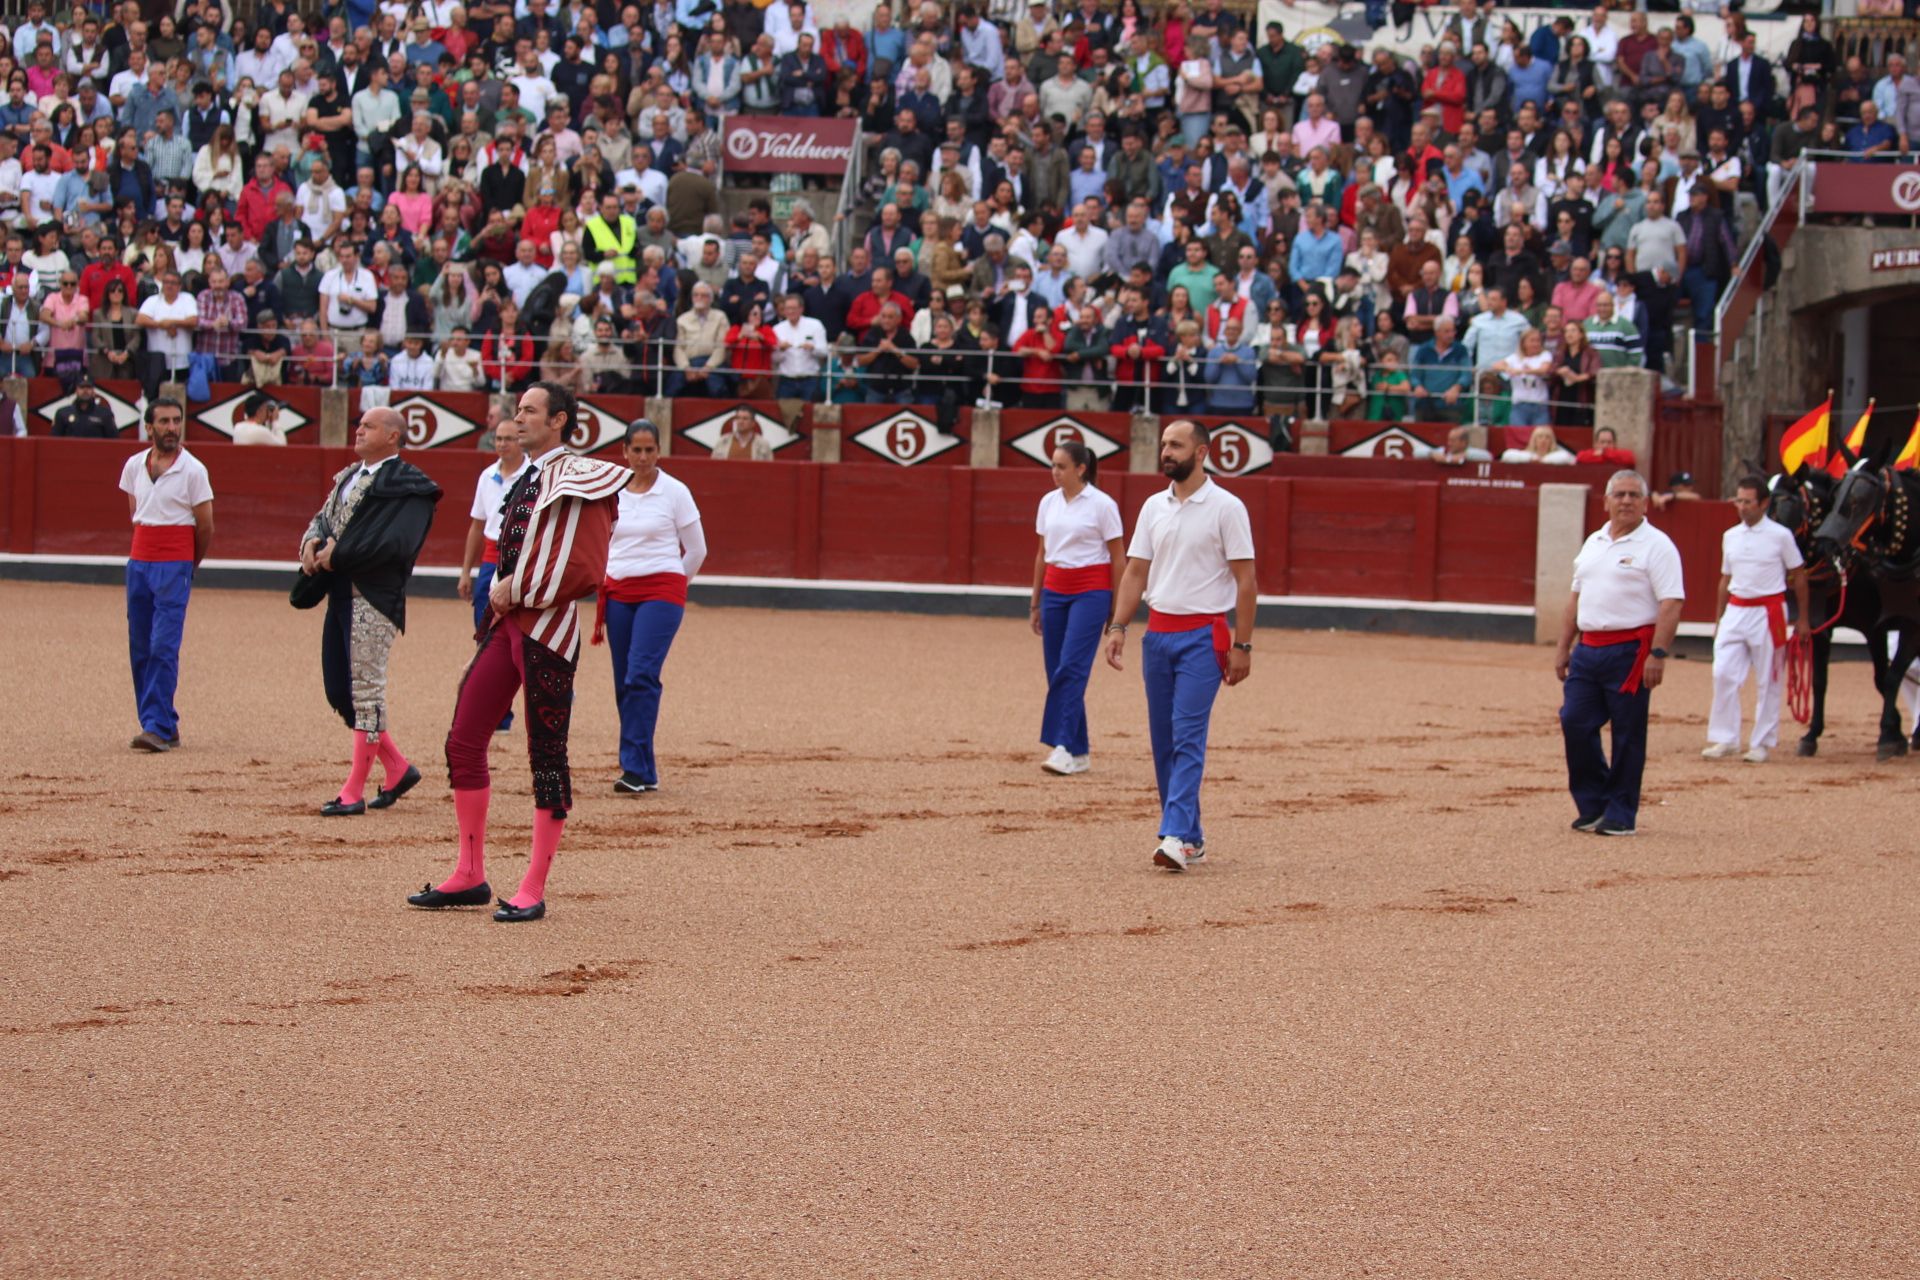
{"x":1702,"y":294}
{"x":157,"y":593}
{"x":797,"y":389}
{"x":1592,"y":698}
{"x":716,"y":385}
{"x":1182,"y":675}
{"x":1194,"y":125}
{"x":1529,"y":413}
{"x":1070,"y":628}
{"x":482,"y":584}
{"x":639,"y":636}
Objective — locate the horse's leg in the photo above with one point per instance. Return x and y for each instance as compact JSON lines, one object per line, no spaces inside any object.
{"x":1893,"y":740}
{"x":1816,"y":725}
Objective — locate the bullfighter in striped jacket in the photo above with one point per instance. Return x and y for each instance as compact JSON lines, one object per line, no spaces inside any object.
{"x":553,"y":554}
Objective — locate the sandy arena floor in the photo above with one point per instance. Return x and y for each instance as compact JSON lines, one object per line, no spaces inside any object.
{"x":862,"y":993}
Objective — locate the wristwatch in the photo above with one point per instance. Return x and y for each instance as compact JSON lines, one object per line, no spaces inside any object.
{"x":1657,"y":653}
{"x":1244,"y":648}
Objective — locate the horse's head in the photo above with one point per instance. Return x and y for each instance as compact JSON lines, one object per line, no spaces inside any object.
{"x":1789,"y":504}
{"x":1856,"y":507}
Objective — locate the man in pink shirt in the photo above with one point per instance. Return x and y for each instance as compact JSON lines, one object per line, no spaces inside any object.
{"x":1316,"y":128}
{"x":1576,"y":295}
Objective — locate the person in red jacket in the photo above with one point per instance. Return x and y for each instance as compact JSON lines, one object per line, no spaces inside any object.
{"x":1446,"y":87}
{"x":257,"y":198}
{"x":556,"y":528}
{"x":750,"y":353}
{"x":1605,"y":451}
{"x":1140,"y":342}
{"x":1039,"y":348}
{"x":842,"y":46}
{"x":866,"y":308}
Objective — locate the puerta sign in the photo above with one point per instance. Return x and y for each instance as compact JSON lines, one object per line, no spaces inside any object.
{"x":789,"y":144}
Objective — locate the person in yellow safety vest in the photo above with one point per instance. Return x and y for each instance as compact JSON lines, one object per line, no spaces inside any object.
{"x":611,"y":236}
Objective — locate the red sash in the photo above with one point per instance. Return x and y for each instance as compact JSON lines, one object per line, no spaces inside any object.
{"x":160,"y":543}
{"x":1074,"y":582}
{"x":670,"y":587}
{"x":1643,"y":636}
{"x":1776,"y":607}
{"x":1179,"y":622}
{"x":492,"y":553}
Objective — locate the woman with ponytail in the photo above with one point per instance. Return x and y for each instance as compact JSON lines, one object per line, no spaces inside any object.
{"x":1075,"y":574}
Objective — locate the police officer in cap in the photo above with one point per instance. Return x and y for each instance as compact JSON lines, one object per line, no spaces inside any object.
{"x":87,"y":416}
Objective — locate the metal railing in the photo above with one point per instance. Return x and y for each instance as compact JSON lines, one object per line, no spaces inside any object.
{"x":1797,"y":191}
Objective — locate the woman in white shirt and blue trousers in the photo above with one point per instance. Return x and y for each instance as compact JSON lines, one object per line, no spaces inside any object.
{"x":1075,"y":572}
{"x":657,"y":547}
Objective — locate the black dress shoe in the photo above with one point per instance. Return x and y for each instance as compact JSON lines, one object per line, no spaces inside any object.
{"x":341,"y":809}
{"x":510,"y":914}
{"x":632,"y":784}
{"x":408,"y":781}
{"x":1588,"y":824}
{"x":432,"y":899}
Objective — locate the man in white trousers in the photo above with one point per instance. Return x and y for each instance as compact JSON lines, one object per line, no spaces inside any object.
{"x":1759,"y":563}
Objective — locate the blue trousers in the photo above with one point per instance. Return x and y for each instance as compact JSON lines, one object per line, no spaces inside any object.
{"x":1070,"y":628}
{"x":1592,"y":699}
{"x":156,"y":618}
{"x":482,"y":584}
{"x":1182,"y":673}
{"x":639,"y":636}
{"x":1703,"y":293}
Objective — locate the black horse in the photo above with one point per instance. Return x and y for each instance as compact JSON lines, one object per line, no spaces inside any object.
{"x":1869,"y":534}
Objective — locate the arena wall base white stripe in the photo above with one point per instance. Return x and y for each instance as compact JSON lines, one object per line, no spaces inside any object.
{"x":1437,"y":618}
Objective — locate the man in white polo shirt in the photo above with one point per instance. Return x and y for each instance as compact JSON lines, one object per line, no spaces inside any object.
{"x":799,"y":351}
{"x":349,"y":295}
{"x":1759,"y":560}
{"x":1191,"y":559}
{"x":1626,"y":600}
{"x":170,"y":500}
{"x":168,"y":320}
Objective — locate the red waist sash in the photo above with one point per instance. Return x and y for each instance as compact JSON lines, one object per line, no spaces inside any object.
{"x":1643,"y":636}
{"x":670,"y":587}
{"x":157,"y":543}
{"x":1074,"y":582}
{"x":492,"y":553}
{"x":1776,"y":607}
{"x":1179,"y":622}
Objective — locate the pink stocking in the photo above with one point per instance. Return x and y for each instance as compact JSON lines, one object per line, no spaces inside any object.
{"x":363,"y":752}
{"x":546,"y":842}
{"x":392,"y":763}
{"x":470,"y":811}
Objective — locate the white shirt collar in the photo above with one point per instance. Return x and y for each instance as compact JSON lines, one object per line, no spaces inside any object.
{"x":1199,"y":495}
{"x":549,"y":456}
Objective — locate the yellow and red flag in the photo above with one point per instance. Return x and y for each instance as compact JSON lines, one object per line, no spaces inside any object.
{"x":1909,"y":452}
{"x":1805,"y":442}
{"x":1838,"y":463}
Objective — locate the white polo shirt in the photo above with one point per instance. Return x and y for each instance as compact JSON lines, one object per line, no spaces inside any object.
{"x":1621,"y":581}
{"x":488,"y":495}
{"x":1191,"y":545}
{"x":335,"y":288}
{"x":646,"y":536}
{"x":795,"y":360}
{"x":170,"y":500}
{"x":1757,"y":558}
{"x":1076,"y":530}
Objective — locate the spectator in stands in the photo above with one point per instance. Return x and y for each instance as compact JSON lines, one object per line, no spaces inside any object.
{"x":1872,"y":135}
{"x":1232,"y":368}
{"x":1541,"y":447}
{"x":1458,"y":450}
{"x":700,"y":348}
{"x":1711,"y":255}
{"x":1612,"y":335}
{"x":1605,"y":451}
{"x":1441,"y":376}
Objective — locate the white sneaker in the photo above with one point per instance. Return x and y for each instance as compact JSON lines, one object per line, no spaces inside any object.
{"x":1721,"y":750}
{"x":1173,"y":854}
{"x":1059,"y":762}
{"x":1756,"y":755}
{"x":1078,"y":764}
{"x":1196,"y":854}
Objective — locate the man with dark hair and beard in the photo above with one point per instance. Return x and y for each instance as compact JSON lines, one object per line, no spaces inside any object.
{"x":170,"y":500}
{"x":556,"y":527}
{"x":359,"y":550}
{"x":1191,"y":559}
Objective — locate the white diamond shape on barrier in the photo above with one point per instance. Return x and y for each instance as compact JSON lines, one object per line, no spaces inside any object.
{"x":222,"y":415}
{"x":124,"y":415}
{"x":906,"y":438}
{"x":1391,"y":443}
{"x":707,"y":432}
{"x":1040,"y":442}
{"x":430,"y":425}
{"x":596,"y":430}
{"x":1235,"y":450}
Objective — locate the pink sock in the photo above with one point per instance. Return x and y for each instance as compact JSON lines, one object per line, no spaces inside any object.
{"x":546,"y":843}
{"x":470,"y":812}
{"x":363,"y":751}
{"x":392,"y":763}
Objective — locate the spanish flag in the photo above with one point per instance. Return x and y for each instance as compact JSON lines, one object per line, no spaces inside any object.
{"x":1909,"y":452}
{"x":1805,"y":442}
{"x":1837,"y":465}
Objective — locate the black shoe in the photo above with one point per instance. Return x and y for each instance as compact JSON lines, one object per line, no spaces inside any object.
{"x":341,"y":809}
{"x":510,"y":914}
{"x":1589,"y":824}
{"x":408,"y":781}
{"x":1605,"y":828}
{"x":630,"y":784}
{"x":173,"y":743}
{"x":432,"y":899}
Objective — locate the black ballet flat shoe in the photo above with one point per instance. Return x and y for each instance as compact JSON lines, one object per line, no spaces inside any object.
{"x":408,"y":781}
{"x":431,"y":899}
{"x":510,"y":914}
{"x":340,"y":809}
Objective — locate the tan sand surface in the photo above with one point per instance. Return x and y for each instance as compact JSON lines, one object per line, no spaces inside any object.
{"x":861,"y":992}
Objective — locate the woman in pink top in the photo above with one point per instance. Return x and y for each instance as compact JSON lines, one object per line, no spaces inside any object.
{"x":65,"y":314}
{"x":413,"y":202}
